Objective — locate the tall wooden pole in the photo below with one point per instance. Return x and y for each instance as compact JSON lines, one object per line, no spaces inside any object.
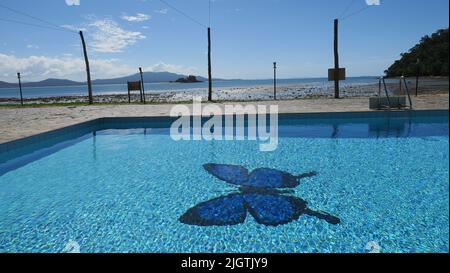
{"x":336,"y":58}
{"x":142,"y":83}
{"x":209,"y":66}
{"x":20,"y":88}
{"x":275,"y":81}
{"x":88,"y":70}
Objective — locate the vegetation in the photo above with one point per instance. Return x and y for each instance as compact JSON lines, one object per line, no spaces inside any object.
{"x":428,"y":58}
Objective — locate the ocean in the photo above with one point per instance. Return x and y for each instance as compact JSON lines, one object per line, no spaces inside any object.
{"x":107,"y":89}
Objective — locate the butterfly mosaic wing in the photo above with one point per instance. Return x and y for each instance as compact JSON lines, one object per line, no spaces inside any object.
{"x":274,"y":209}
{"x":222,"y":211}
{"x":232,"y":174}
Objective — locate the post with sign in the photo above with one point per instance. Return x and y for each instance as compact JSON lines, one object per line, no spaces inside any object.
{"x":134,"y":86}
{"x":336,"y":74}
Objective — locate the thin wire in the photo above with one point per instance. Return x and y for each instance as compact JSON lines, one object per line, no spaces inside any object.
{"x":182,"y":13}
{"x":347,"y":8}
{"x":209,"y":13}
{"x":35,"y":18}
{"x":35,"y":25}
{"x":356,"y":12}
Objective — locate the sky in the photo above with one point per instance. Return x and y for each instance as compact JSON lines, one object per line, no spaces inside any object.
{"x":247,"y":36}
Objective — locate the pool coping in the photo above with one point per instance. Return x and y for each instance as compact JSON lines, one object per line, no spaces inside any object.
{"x":90,"y":125}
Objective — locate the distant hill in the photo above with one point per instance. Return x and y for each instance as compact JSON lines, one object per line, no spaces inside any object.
{"x":149,"y":77}
{"x":50,"y":82}
{"x":432,"y":53}
{"x":7,"y":85}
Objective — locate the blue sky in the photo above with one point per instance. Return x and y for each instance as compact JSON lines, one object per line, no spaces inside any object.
{"x":248,"y":35}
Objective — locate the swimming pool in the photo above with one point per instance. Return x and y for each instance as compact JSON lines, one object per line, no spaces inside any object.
{"x":123,"y":185}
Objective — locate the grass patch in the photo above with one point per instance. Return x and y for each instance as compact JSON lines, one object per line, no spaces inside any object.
{"x":74,"y":104}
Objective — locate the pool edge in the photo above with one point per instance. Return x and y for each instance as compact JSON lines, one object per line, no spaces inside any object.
{"x":98,"y":122}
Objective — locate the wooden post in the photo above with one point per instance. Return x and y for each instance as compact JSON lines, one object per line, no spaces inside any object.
{"x":142,"y":83}
{"x":275,"y":81}
{"x":88,"y":70}
{"x":20,"y":88}
{"x":209,"y":67}
{"x":336,"y":58}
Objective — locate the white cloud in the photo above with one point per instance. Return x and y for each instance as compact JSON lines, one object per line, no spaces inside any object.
{"x":73,"y":2}
{"x":109,"y":37}
{"x":162,"y":11}
{"x":140,"y":17}
{"x":30,"y":46}
{"x":73,"y":28}
{"x":373,"y":2}
{"x":65,"y":67}
{"x":179,"y":69}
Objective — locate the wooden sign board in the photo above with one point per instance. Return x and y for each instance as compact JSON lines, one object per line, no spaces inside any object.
{"x":134,"y":86}
{"x":342,"y":75}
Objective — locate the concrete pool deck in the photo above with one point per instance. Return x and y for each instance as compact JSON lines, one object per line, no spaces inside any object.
{"x":16,"y":123}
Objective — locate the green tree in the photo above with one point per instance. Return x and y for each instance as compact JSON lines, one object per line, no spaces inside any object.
{"x":430,"y":57}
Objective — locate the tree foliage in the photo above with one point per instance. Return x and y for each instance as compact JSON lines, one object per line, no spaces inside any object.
{"x":429,"y":57}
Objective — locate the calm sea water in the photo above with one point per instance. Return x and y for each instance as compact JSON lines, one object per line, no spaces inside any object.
{"x":53,"y":91}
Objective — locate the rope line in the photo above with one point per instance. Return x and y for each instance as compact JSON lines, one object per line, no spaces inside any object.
{"x":183,"y":13}
{"x":35,"y":25}
{"x":209,"y":13}
{"x":347,"y":8}
{"x":356,"y":13}
{"x":54,"y":26}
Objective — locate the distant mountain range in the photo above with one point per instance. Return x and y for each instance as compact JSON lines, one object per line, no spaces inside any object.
{"x":149,"y":77}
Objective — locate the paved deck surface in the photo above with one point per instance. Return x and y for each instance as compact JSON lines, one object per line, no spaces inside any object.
{"x":16,"y":123}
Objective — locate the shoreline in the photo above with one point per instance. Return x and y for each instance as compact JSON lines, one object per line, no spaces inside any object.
{"x":253,"y":93}
{"x":246,"y":94}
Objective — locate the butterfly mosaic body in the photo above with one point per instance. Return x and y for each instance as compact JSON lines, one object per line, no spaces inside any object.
{"x":259,"y":195}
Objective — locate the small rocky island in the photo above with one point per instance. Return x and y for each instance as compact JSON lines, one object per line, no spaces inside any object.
{"x":189,"y":79}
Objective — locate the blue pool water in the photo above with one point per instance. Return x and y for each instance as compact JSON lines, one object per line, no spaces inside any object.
{"x":124,"y":190}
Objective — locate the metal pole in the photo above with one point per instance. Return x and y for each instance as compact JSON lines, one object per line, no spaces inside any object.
{"x":209,"y":66}
{"x":142,"y":83}
{"x":88,"y":70}
{"x":387,"y":93}
{"x":379,"y":93}
{"x":275,"y":81}
{"x":407,"y":92}
{"x":20,"y":88}
{"x":336,"y":58}
{"x":417,"y":77}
